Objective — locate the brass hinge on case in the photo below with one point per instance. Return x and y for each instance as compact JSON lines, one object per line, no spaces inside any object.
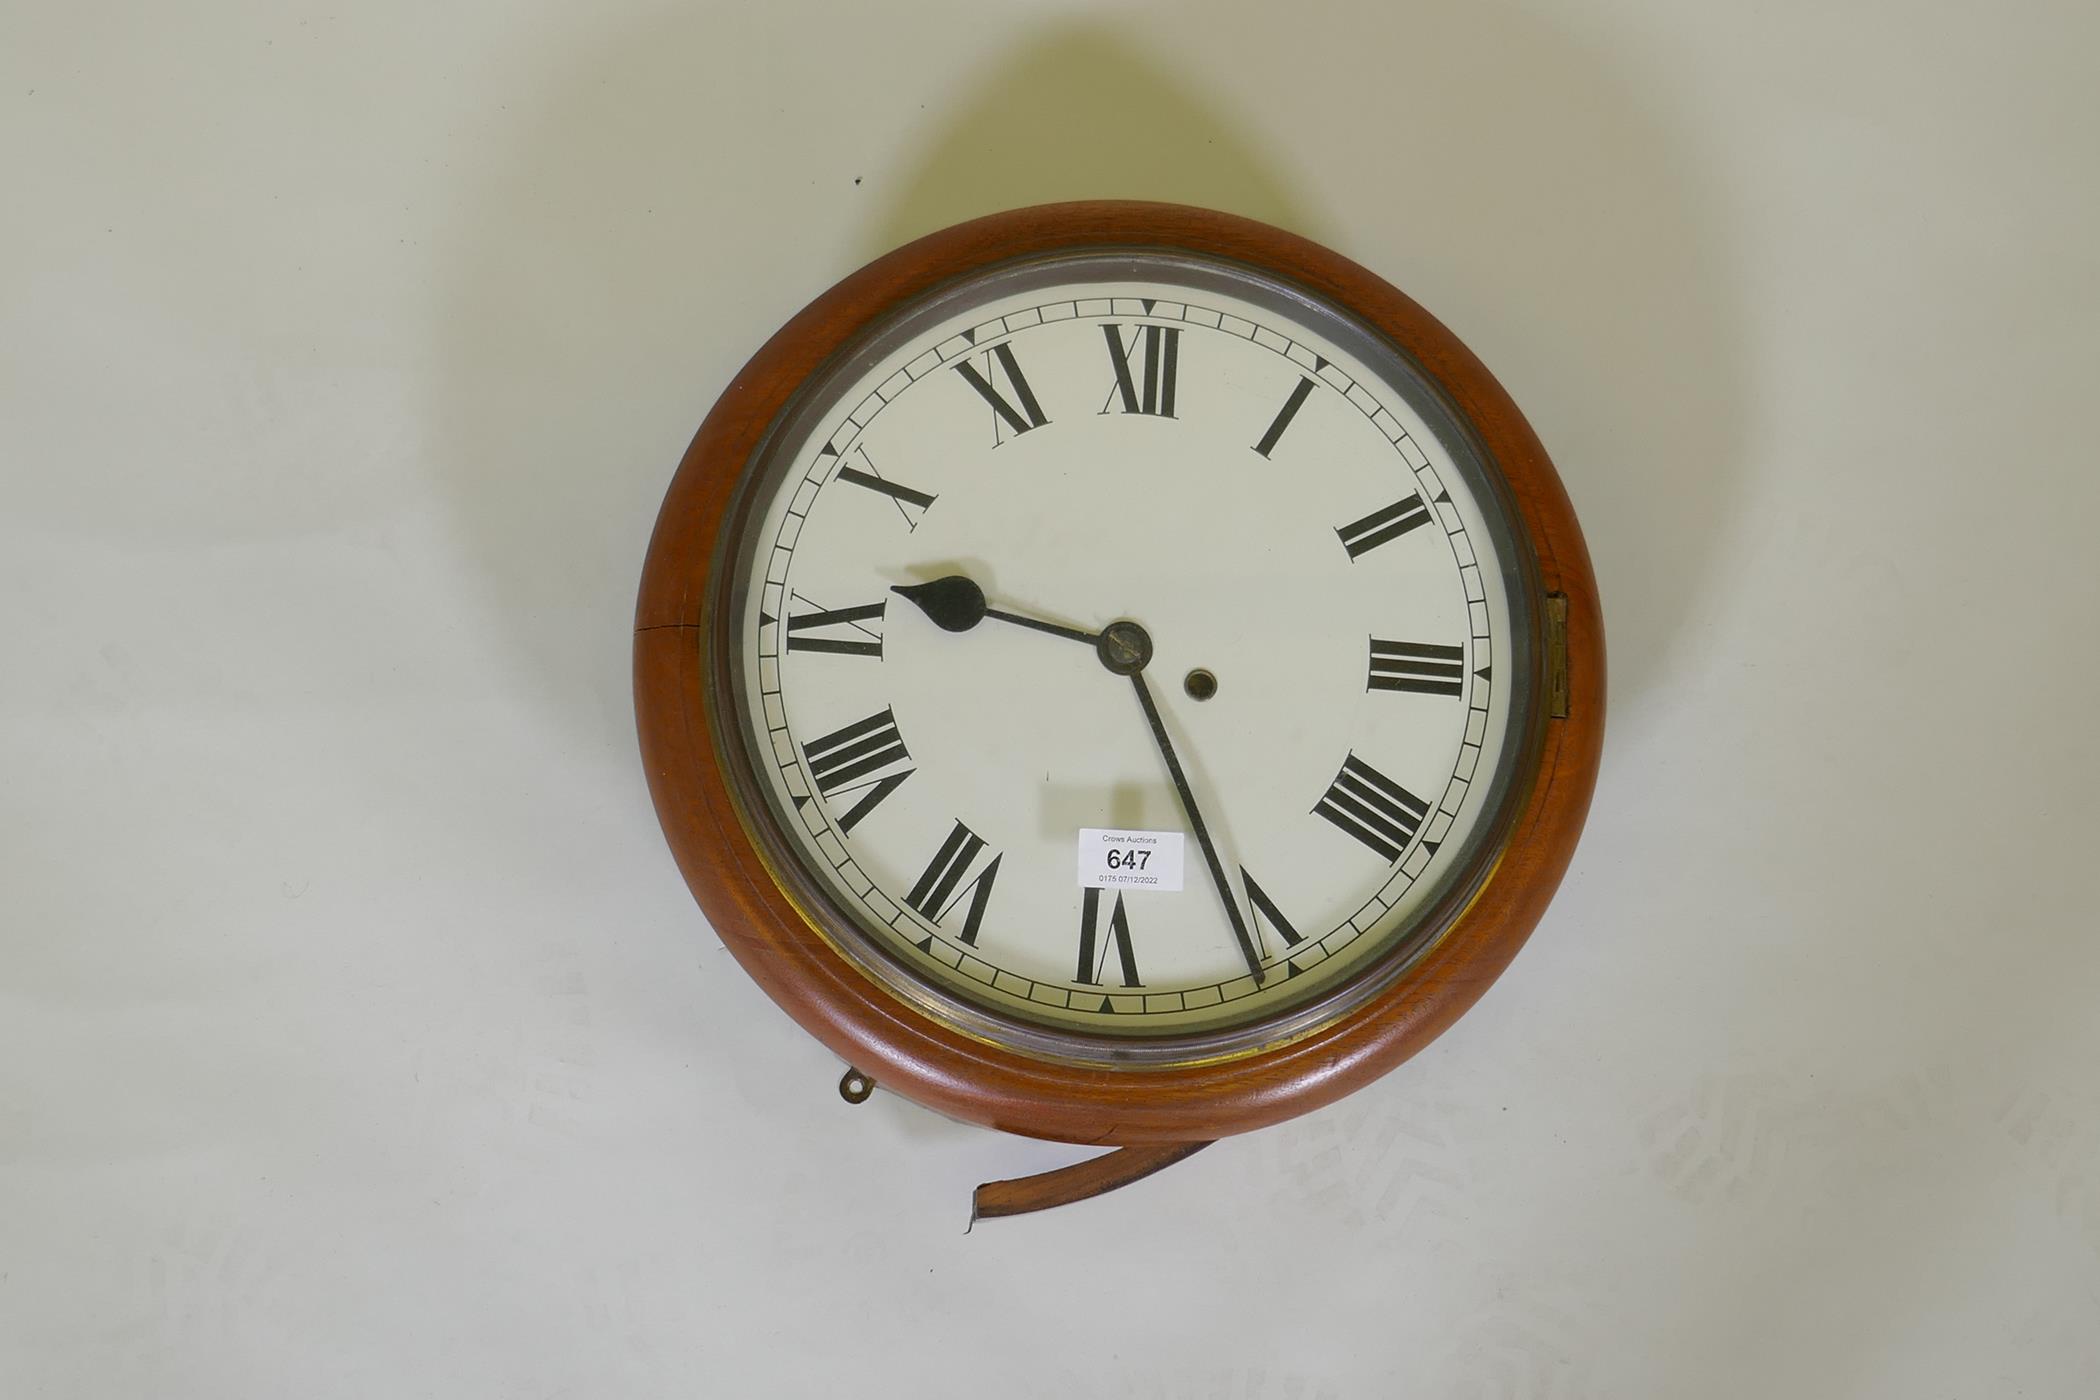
{"x":1557,"y":655}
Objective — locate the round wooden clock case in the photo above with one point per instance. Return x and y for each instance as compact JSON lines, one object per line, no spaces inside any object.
{"x":683,"y":635}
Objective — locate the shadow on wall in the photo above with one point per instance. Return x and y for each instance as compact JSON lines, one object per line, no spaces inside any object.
{"x":1518,"y":184}
{"x":1080,"y":114}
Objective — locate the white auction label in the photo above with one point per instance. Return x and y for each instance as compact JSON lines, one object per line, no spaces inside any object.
{"x":1129,"y":860}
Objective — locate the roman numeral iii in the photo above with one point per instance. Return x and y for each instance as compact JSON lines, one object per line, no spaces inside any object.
{"x":1372,"y":808}
{"x":849,"y":636}
{"x":999,"y":362}
{"x":1380,"y":526}
{"x":1422,"y":667}
{"x":845,"y":761}
{"x":1093,"y":949}
{"x":937,"y":891}
{"x":1150,"y":389}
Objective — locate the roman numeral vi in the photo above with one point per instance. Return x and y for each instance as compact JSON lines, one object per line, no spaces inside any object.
{"x":1092,"y":962}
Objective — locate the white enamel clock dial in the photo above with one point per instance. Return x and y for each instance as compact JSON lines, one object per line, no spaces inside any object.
{"x":1291,"y":518}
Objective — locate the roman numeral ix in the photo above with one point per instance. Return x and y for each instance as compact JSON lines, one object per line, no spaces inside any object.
{"x":1000,"y":362}
{"x":1422,"y":667}
{"x":844,"y":761}
{"x":1372,"y":808}
{"x":804,"y":629}
{"x":937,"y":891}
{"x":1162,"y":352}
{"x":1375,"y":529}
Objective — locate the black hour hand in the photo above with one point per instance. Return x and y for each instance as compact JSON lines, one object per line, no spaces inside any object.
{"x":956,"y":604}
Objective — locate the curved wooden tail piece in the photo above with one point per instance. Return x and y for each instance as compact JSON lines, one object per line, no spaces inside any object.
{"x":1078,"y":1181}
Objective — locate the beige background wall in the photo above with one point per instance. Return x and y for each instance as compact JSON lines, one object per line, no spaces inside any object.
{"x":357,"y":1037}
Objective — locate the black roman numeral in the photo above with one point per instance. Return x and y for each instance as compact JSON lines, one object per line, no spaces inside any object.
{"x":937,"y":892}
{"x":1373,"y":808}
{"x":1418,"y":666}
{"x":1020,"y":420}
{"x":843,"y":760}
{"x":1284,"y":416}
{"x":802,"y":625}
{"x":1265,"y":908}
{"x":1091,"y":962}
{"x":901,"y":496}
{"x":1383,"y":525}
{"x":1161,"y":354}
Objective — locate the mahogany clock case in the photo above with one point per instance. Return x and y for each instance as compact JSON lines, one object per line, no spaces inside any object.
{"x":1020,"y":1082}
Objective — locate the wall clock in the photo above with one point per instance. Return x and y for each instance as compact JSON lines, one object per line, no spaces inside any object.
{"x":1118,"y":673}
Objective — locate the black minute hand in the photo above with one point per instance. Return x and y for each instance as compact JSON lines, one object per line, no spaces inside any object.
{"x":1188,"y":805}
{"x":956,"y":604}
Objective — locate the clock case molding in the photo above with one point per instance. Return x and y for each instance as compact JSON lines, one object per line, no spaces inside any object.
{"x":1170,"y":1108}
